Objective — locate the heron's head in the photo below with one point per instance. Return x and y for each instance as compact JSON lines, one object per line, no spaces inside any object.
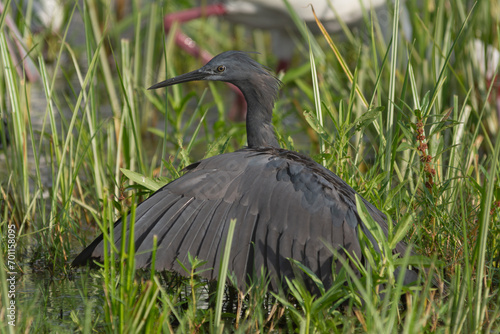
{"x":231,"y":66}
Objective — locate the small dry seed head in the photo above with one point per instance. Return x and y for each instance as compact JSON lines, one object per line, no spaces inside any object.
{"x":422,"y":147}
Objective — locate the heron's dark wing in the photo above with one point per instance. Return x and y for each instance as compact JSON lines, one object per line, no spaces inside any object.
{"x":285,"y":206}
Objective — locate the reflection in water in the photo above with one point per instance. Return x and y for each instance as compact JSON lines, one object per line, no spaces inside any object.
{"x":46,"y":301}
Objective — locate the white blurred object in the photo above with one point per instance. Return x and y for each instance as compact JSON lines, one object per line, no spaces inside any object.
{"x":487,"y":58}
{"x":274,"y":15}
{"x":49,"y":14}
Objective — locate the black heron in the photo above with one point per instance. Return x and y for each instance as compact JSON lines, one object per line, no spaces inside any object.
{"x":286,"y":205}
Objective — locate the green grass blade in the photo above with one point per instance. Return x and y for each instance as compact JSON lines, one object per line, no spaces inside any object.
{"x":223,"y":275}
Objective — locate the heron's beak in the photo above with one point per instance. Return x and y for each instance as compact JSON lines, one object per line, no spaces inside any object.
{"x":191,"y":76}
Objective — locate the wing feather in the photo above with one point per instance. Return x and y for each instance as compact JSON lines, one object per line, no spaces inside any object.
{"x":286,"y":206}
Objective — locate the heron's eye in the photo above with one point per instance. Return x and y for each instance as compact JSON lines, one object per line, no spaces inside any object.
{"x":221,"y":68}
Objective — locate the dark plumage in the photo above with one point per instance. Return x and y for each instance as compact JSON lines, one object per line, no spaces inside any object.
{"x":286,"y":205}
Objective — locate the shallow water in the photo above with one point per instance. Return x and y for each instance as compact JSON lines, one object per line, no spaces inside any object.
{"x":46,"y":302}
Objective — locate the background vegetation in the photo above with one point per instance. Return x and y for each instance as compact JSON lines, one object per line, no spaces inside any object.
{"x":413,"y":129}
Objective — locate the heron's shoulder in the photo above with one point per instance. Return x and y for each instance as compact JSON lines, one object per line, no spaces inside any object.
{"x":271,"y":159}
{"x":255,"y":157}
{"x":298,"y":163}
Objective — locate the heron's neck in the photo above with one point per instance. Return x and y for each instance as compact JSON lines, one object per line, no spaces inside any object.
{"x":260,"y":103}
